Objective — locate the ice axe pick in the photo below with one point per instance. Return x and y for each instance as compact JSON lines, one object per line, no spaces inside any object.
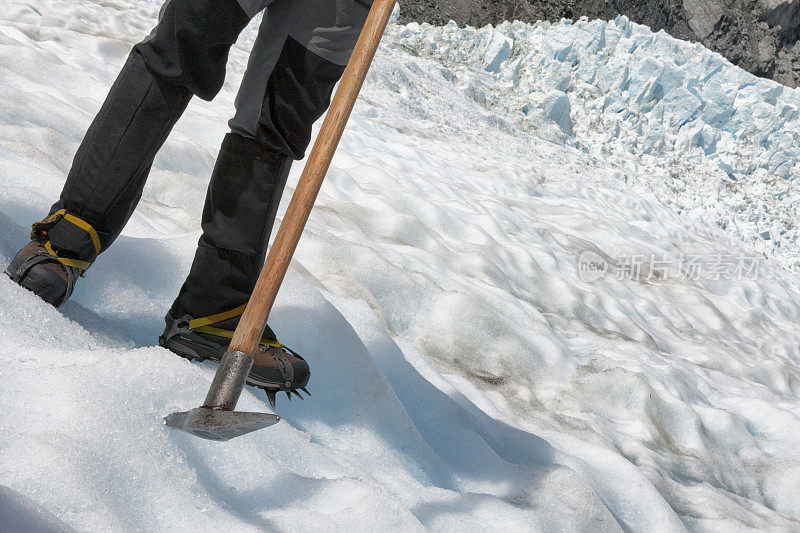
{"x":216,"y":419}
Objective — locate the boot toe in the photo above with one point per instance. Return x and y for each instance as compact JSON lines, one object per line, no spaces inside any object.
{"x":302,"y":373}
{"x":271,"y":377}
{"x":45,"y":282}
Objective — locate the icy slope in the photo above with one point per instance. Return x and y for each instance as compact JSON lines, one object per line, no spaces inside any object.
{"x":466,"y":376}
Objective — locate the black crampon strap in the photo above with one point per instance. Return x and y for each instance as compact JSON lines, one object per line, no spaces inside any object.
{"x":38,"y":259}
{"x":284,"y":366}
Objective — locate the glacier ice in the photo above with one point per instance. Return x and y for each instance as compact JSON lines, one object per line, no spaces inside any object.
{"x":465,"y":376}
{"x":631,"y":90}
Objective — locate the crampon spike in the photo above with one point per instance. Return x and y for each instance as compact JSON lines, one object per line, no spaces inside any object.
{"x":288,"y":395}
{"x":305,"y":390}
{"x":297,"y":394}
{"x":271,"y":398}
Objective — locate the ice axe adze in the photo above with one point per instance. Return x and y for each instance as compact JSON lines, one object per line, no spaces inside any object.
{"x":216,"y":418}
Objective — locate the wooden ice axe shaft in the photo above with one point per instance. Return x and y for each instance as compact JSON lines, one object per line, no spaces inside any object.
{"x":216,"y":419}
{"x":254,"y":320}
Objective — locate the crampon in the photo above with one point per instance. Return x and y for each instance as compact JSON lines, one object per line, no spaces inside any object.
{"x":276,"y":368}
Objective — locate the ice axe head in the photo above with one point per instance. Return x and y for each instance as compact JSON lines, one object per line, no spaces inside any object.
{"x":220,"y":425}
{"x":216,"y":419}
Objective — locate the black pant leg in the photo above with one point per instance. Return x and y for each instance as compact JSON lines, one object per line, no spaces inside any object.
{"x":241,"y":204}
{"x":185,"y":55}
{"x":247,"y":184}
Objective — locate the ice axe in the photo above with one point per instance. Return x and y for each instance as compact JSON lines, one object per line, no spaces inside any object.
{"x":216,"y":418}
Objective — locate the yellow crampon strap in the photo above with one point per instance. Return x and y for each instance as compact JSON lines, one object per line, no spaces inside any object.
{"x":219,"y":317}
{"x":202,"y":325}
{"x":83,"y":265}
{"x":85,"y":226}
{"x":228,"y":334}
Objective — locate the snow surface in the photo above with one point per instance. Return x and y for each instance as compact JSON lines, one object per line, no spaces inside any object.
{"x":466,"y":374}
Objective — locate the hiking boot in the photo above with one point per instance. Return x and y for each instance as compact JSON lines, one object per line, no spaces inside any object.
{"x":39,"y":270}
{"x":48,"y":269}
{"x":276,"y":367}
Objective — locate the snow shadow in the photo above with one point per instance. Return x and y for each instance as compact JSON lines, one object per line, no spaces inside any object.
{"x":368,"y":382}
{"x":274,"y":491}
{"x":21,"y":515}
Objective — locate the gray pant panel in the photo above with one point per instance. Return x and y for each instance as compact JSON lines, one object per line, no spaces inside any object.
{"x":254,"y":7}
{"x":328,"y":28}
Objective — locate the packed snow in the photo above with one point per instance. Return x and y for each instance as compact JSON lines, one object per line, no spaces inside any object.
{"x":533,"y":297}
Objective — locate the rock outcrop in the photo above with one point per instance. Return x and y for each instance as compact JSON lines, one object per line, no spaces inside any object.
{"x":761,"y":36}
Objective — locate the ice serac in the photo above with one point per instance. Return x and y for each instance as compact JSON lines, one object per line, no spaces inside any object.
{"x":760,"y":36}
{"x":557,"y":108}
{"x":499,"y":50}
